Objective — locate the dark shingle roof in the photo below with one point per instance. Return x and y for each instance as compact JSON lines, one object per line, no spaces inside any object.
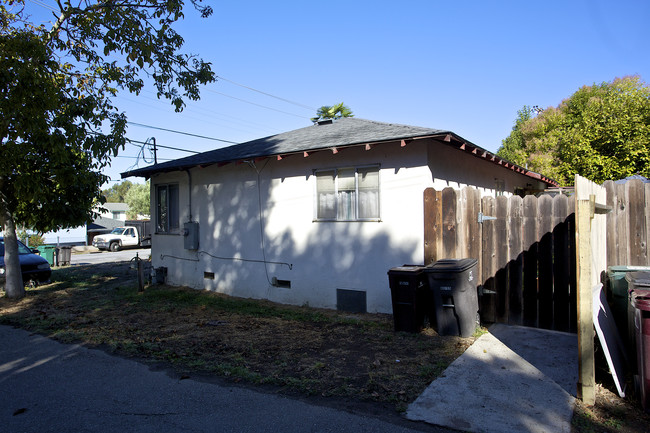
{"x":342,"y":132}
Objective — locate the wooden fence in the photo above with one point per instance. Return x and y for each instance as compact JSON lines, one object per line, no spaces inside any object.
{"x":628,"y":224}
{"x":525,"y":248}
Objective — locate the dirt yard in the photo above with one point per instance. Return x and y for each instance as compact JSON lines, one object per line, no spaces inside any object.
{"x":340,"y":359}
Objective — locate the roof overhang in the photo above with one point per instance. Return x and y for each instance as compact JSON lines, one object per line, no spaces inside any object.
{"x":447,"y":138}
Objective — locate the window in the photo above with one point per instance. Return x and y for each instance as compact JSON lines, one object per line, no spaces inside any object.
{"x":167,"y":219}
{"x":347,"y":194}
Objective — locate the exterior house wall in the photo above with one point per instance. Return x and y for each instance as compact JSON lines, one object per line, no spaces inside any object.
{"x":316,"y":257}
{"x":458,"y":169}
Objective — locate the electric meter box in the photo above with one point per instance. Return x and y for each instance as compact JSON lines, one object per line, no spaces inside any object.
{"x":191,"y":235}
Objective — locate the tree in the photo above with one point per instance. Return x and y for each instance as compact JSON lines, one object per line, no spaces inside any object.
{"x":138,"y":198}
{"x":56,"y":87}
{"x":117,"y":193}
{"x":332,"y":112}
{"x":600,"y":132}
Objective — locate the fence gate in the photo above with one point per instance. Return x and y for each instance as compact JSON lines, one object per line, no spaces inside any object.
{"x":525,"y":248}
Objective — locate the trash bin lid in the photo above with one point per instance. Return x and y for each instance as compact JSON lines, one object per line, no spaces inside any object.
{"x":638,"y":279}
{"x":452,"y":265}
{"x":640,"y":300}
{"x":406,"y":270}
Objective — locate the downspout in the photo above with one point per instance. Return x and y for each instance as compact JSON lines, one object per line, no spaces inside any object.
{"x":189,"y":177}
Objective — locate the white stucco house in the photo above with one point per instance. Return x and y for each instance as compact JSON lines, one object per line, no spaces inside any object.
{"x":312,"y":216}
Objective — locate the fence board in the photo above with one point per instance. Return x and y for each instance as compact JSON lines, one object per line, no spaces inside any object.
{"x":620,"y":214}
{"x":501,"y":258}
{"x":449,"y":229}
{"x":473,"y":241}
{"x":530,"y":260}
{"x":431,"y":225}
{"x":516,"y":262}
{"x":647,"y":222}
{"x":560,"y":264}
{"x":612,"y":241}
{"x":634,"y":195}
{"x":545,"y":262}
{"x":573,"y":277}
{"x":487,"y":303}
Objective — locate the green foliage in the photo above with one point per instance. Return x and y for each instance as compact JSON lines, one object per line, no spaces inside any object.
{"x":32,"y":241}
{"x":59,"y":128}
{"x":138,"y":199}
{"x":117,"y":192}
{"x":600,"y":132}
{"x":332,"y":112}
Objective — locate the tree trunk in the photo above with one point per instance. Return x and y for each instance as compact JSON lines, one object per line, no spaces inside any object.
{"x":14,"y":287}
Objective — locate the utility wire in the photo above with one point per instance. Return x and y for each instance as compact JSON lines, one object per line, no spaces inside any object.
{"x":258,"y":105}
{"x":180,"y":132}
{"x":268,"y":94}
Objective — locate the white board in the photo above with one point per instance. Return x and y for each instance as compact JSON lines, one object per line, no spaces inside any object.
{"x":609,"y":338}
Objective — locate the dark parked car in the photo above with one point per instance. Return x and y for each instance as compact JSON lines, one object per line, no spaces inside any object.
{"x":35,"y":268}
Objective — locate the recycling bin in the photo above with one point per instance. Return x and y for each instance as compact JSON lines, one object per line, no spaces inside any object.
{"x":638,"y":282}
{"x":47,"y":252}
{"x":455,"y":299}
{"x":640,"y":300}
{"x":618,"y":296}
{"x":410,"y":296}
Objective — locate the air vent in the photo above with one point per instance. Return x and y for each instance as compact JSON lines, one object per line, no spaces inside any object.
{"x":208,"y":275}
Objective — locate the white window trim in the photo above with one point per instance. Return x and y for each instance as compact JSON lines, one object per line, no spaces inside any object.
{"x":356,"y":185}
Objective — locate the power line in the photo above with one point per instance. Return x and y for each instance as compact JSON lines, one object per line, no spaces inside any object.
{"x":268,"y":94}
{"x":180,"y":132}
{"x":165,"y":147}
{"x":258,"y":105}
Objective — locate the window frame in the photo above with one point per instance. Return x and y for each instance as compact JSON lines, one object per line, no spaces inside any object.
{"x":336,"y":171}
{"x":167,"y":227}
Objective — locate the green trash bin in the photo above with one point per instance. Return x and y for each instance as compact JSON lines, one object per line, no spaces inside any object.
{"x":618,"y":296}
{"x":47,"y":252}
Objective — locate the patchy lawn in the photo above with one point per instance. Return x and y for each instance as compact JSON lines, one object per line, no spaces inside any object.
{"x":310,"y":351}
{"x":336,"y":357}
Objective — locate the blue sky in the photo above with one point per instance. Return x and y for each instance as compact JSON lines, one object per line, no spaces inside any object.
{"x":464,"y":66}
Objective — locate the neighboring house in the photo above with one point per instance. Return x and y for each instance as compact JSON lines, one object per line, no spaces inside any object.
{"x":116,"y":211}
{"x":313,"y":216}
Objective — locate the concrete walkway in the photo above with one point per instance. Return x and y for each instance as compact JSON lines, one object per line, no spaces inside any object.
{"x":512,"y":379}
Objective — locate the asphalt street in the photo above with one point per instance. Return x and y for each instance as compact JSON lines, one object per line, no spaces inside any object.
{"x":46,"y":386}
{"x":107,"y":256}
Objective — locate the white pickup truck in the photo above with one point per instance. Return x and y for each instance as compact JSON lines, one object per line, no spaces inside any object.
{"x":134,"y":234}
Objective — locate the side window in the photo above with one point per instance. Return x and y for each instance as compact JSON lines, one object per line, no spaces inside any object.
{"x":167,"y":212}
{"x":347,"y":194}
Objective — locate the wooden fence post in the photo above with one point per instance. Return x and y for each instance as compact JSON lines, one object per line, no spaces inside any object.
{"x":586,"y":369}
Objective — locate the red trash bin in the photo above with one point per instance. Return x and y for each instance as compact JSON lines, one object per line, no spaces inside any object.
{"x":640,"y":300}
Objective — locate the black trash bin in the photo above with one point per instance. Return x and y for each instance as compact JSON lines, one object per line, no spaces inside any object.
{"x":453,"y":283}
{"x":411,"y":297}
{"x":640,"y":301}
{"x":638,"y":281}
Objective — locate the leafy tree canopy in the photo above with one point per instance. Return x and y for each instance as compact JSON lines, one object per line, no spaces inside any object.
{"x":600,"y":132}
{"x":117,"y":192}
{"x":332,"y":112}
{"x":138,"y":198}
{"x":58,"y":127}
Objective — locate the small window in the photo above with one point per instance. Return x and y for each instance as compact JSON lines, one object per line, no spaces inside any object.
{"x":347,"y":194}
{"x":167,"y":214}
